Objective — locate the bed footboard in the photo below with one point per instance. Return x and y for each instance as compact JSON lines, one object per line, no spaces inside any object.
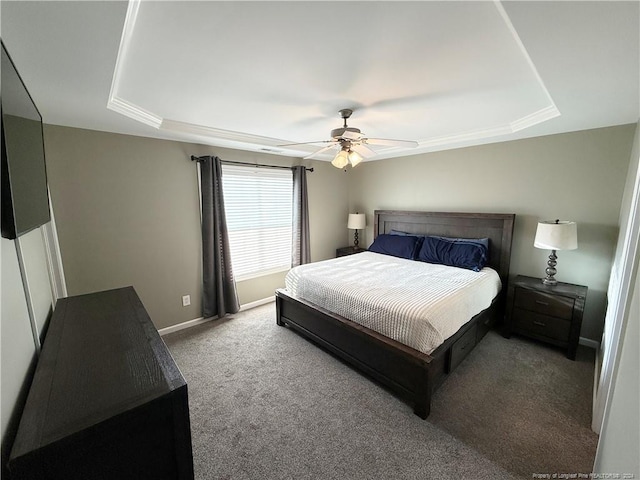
{"x":406,"y":371}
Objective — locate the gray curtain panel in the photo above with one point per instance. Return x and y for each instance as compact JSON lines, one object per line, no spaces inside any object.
{"x":300,"y":252}
{"x":219,"y":287}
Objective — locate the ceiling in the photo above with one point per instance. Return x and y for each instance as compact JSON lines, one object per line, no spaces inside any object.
{"x":257,"y":75}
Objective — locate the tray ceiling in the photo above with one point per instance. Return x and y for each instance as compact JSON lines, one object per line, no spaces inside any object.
{"x":256,"y":75}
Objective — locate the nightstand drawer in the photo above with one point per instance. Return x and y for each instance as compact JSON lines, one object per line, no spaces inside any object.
{"x":547,"y":304}
{"x":543,"y":325}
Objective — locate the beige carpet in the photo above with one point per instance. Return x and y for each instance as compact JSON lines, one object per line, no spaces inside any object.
{"x":523,"y":405}
{"x":266,"y":403}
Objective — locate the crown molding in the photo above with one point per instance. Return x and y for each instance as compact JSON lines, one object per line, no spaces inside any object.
{"x":114,"y":102}
{"x":177,"y":126}
{"x":134,"y":112}
{"x":535,"y":118}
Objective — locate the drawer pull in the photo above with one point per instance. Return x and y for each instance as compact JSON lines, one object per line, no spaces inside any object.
{"x":539,"y":323}
{"x":540,"y":302}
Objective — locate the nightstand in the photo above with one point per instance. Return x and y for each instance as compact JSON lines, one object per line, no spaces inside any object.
{"x":550,"y":313}
{"x":344,"y":251}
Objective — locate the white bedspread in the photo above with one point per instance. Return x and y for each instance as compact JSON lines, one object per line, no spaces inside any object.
{"x":418,"y":304}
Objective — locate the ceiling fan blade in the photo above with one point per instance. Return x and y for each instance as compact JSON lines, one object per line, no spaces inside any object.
{"x":305,"y":143}
{"x":363,"y":150}
{"x":352,"y":135}
{"x":390,"y":142}
{"x":322,"y":150}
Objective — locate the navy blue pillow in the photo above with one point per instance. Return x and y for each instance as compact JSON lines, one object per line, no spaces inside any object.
{"x":480,"y":241}
{"x":403,"y":246}
{"x":471,"y":256}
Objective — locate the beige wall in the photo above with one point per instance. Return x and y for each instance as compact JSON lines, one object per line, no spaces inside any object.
{"x":575,"y":176}
{"x":127,"y":213}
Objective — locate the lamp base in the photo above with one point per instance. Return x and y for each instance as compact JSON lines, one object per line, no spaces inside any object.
{"x":551,"y":270}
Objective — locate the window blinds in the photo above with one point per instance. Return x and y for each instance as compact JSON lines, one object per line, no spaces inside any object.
{"x":258,"y":206}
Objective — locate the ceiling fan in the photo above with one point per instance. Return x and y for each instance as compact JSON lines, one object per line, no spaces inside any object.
{"x":353,"y":143}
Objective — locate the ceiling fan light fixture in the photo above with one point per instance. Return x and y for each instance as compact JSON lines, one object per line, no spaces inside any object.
{"x":347,"y":137}
{"x":341,"y":160}
{"x":354,"y":158}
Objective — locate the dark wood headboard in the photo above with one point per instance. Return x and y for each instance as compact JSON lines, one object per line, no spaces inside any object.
{"x":498,"y":227}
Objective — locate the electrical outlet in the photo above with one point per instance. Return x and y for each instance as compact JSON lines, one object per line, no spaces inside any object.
{"x":186,"y":300}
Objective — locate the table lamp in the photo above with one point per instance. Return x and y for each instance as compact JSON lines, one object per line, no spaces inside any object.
{"x":555,"y":235}
{"x":357,"y":221}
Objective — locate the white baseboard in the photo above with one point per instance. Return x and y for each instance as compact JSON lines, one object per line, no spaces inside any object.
{"x":198,"y":321}
{"x":587,"y":342}
{"x":183,"y":325}
{"x":257,"y":303}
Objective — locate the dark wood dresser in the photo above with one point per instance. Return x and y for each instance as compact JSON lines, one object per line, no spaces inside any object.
{"x":550,"y":313}
{"x":107,"y":400}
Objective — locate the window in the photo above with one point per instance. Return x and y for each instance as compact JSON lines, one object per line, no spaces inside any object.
{"x":258,"y":204}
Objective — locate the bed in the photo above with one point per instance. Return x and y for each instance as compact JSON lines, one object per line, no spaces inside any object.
{"x":411,"y":373}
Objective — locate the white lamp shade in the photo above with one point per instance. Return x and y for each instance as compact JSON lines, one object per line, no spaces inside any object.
{"x":355,"y":158}
{"x":357,"y":221}
{"x":556,"y":236}
{"x":341,"y":160}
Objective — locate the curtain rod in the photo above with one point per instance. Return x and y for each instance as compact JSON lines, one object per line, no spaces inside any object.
{"x":257,"y":165}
